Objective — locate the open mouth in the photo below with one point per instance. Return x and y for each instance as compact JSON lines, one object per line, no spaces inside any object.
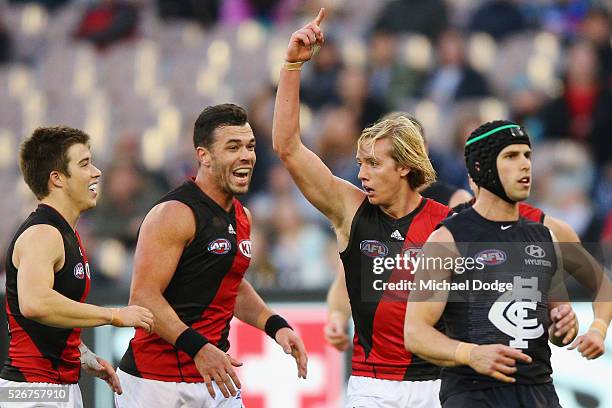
{"x":368,"y":190}
{"x":242,"y":173}
{"x":93,"y":187}
{"x":525,"y":180}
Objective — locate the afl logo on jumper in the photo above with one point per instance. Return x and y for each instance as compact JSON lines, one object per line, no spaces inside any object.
{"x":219,"y":246}
{"x":492,"y":257}
{"x":373,"y":248}
{"x":79,"y":271}
{"x":245,"y":247}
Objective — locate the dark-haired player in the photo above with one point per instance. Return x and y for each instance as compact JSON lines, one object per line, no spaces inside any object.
{"x":495,"y":348}
{"x":48,"y":274}
{"x":387,"y":218}
{"x":192,"y":253}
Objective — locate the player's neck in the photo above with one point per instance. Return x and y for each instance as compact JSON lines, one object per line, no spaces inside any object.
{"x":222,"y":198}
{"x":405,"y":203}
{"x":64,"y":206}
{"x":493,"y":208}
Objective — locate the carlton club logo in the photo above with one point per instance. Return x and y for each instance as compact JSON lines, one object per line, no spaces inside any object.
{"x":245,"y":247}
{"x":510,"y":312}
{"x":373,"y":248}
{"x":220,"y":246}
{"x":492,"y":257}
{"x":79,"y":271}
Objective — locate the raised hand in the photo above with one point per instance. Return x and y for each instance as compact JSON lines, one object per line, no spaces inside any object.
{"x":306,"y":41}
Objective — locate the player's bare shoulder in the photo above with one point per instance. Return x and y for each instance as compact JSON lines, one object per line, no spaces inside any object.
{"x":171,"y":220}
{"x":42,"y":241}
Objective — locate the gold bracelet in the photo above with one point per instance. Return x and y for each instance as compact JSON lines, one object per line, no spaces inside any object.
{"x":112,"y":318}
{"x":463,"y":353}
{"x":293,"y":66}
{"x":600,"y":327}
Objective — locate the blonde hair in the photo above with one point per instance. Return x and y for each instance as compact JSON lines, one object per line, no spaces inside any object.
{"x":408,"y":148}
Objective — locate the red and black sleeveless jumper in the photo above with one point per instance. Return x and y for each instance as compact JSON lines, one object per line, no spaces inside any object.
{"x":379,"y":350}
{"x":40,"y":353}
{"x":202,"y":291}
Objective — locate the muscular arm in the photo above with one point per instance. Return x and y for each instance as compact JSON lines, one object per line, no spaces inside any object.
{"x":250,"y":307}
{"x":423,"y":311}
{"x":580,"y":264}
{"x":425,"y":308}
{"x":334,"y":197}
{"x":166,"y":231}
{"x":38,"y":254}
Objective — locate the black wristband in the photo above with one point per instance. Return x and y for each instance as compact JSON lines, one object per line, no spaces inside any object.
{"x":274,"y":324}
{"x":190,"y":341}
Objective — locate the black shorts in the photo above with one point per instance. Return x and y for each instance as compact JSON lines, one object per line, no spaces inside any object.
{"x":512,"y":396}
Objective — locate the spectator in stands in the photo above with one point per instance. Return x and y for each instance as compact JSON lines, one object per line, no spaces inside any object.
{"x":597,"y":28}
{"x":498,"y":18}
{"x":428,"y":17}
{"x":205,"y":12}
{"x":266,"y":11}
{"x":6,"y":42}
{"x":453,"y":79}
{"x":354,"y":95}
{"x":389,"y":79}
{"x":301,"y":249}
{"x":339,"y":133}
{"x":582,"y":112}
{"x":565,"y":174}
{"x":319,"y":86}
{"x":50,"y":5}
{"x":127,"y":195}
{"x":261,"y":109}
{"x":106,"y":22}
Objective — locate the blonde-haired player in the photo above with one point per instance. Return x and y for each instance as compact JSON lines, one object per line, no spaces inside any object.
{"x":384,"y":219}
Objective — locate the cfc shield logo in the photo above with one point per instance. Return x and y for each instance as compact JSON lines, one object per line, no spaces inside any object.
{"x":509,"y":312}
{"x":79,"y":271}
{"x":373,"y":248}
{"x":220,"y":246}
{"x":245,"y":247}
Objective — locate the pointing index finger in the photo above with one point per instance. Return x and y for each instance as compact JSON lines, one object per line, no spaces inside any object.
{"x":320,"y":17}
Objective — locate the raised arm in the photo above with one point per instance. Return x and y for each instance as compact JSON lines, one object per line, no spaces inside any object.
{"x":334,"y":197}
{"x":38,"y":255}
{"x":425,"y":309}
{"x":167,"y":229}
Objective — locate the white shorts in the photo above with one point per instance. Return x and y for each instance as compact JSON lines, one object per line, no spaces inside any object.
{"x":366,"y":392}
{"x":143,"y":393}
{"x":74,"y":395}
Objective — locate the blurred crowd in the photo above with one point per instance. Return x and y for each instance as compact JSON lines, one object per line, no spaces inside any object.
{"x":136,"y":73}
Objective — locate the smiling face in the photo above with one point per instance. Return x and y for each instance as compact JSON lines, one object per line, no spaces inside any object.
{"x":81,"y":183}
{"x":231,"y":158}
{"x":514,"y":169}
{"x":380,"y":175}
